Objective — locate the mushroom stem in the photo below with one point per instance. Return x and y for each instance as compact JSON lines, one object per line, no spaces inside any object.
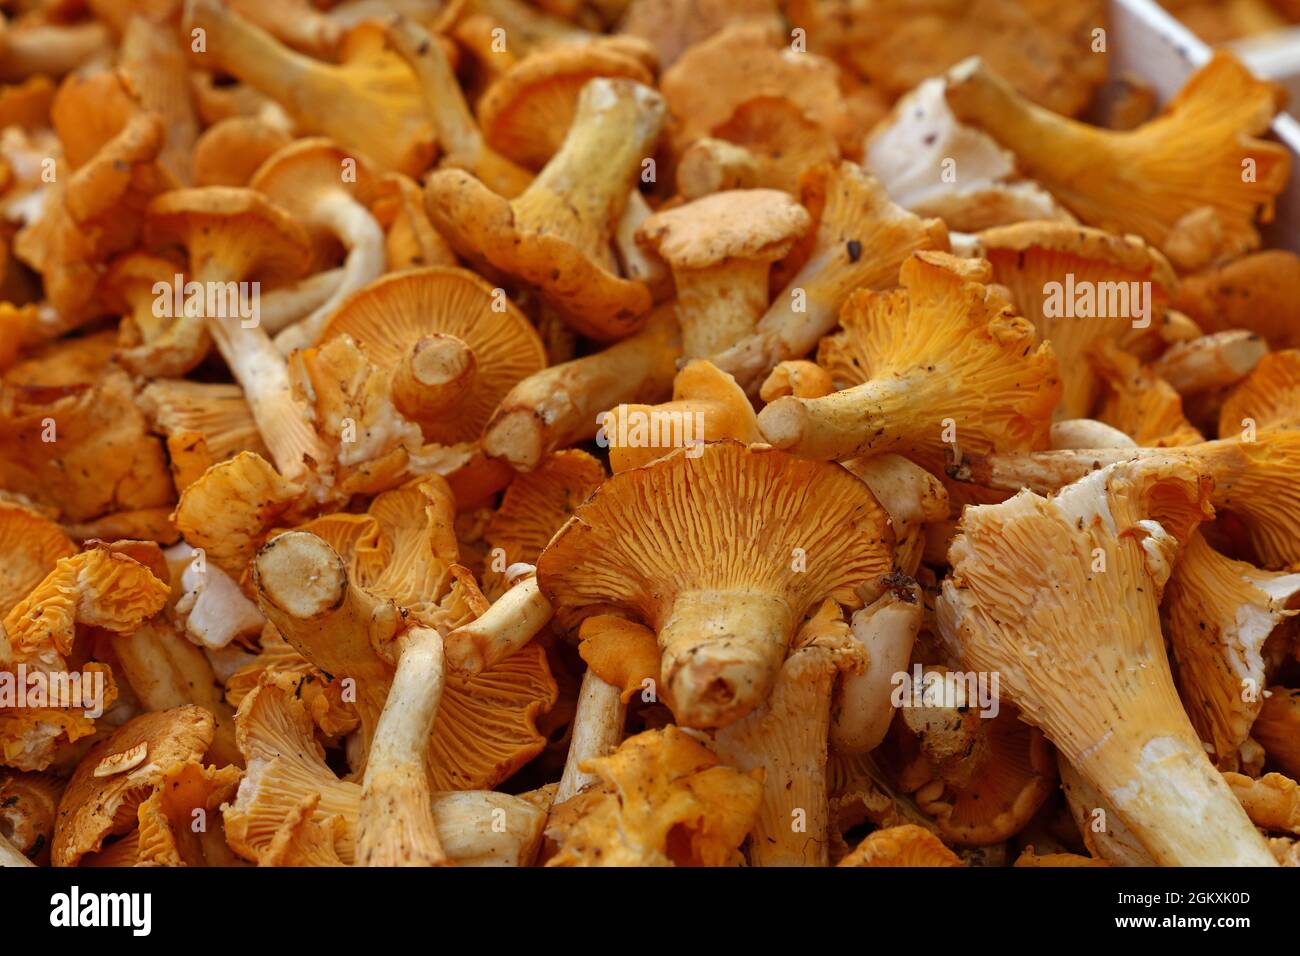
{"x":597,"y":732}
{"x":432,"y":379}
{"x":361,"y":235}
{"x":581,"y":192}
{"x":303,"y":589}
{"x":284,"y":306}
{"x":9,"y":855}
{"x":165,"y":670}
{"x":869,"y":418}
{"x":1087,"y":433}
{"x":559,"y":405}
{"x":886,"y":629}
{"x":787,"y":737}
{"x":1179,"y":806}
{"x":395,"y":826}
{"x":719,"y":306}
{"x":49,"y":49}
{"x":722,"y":651}
{"x":264,"y":376}
{"x":458,"y":135}
{"x":504,"y":628}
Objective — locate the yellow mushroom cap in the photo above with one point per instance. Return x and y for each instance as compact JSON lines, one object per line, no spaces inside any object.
{"x":903,"y":845}
{"x":722,"y":554}
{"x":30,"y":546}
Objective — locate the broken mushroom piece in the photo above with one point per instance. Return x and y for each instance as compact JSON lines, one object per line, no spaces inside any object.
{"x":1027,"y":600}
{"x":663,"y":799}
{"x":942,"y":361}
{"x":904,"y":845}
{"x":720,"y":249}
{"x":556,"y":234}
{"x":513,"y":620}
{"x":456,"y":346}
{"x":1277,"y":728}
{"x":861,"y":240}
{"x":561,"y":405}
{"x":1139,"y":181}
{"x":119,"y":773}
{"x":597,"y":732}
{"x":722,"y":554}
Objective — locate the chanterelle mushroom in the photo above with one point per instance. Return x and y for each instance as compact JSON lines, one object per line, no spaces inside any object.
{"x":1059,"y":597}
{"x":556,"y":234}
{"x":720,"y":248}
{"x":722,"y":553}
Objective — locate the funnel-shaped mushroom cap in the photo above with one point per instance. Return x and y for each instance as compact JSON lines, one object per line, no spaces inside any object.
{"x":722,"y":554}
{"x":230,"y":151}
{"x":204,"y":422}
{"x":1268,"y":398}
{"x":1078,"y":285}
{"x":1136,"y":400}
{"x":1176,"y":181}
{"x":102,"y":800}
{"x":30,"y":546}
{"x":306,"y":171}
{"x":1218,"y":613}
{"x":556,"y":234}
{"x":391,"y":315}
{"x":943,"y":349}
{"x":663,"y":800}
{"x":904,"y":845}
{"x":527,"y":110}
{"x":1028,"y":600}
{"x":231,"y":233}
{"x":772,"y":143}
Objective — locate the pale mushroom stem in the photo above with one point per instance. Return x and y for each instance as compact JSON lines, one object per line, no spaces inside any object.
{"x":284,"y":306}
{"x":1211,"y":361}
{"x":581,"y":192}
{"x":1177,"y":804}
{"x":720,"y":306}
{"x":721,"y":652}
{"x":166,"y":670}
{"x":458,"y":134}
{"x":504,"y":628}
{"x":1087,"y":433}
{"x":844,"y":424}
{"x":558,"y":406}
{"x":363,"y":237}
{"x":433,"y":378}
{"x":597,"y":732}
{"x":303,"y":589}
{"x":886,"y":629}
{"x":265,"y":64}
{"x":395,"y":826}
{"x":9,"y":855}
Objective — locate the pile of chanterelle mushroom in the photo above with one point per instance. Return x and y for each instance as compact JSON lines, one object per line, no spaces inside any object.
{"x":593,"y":432}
